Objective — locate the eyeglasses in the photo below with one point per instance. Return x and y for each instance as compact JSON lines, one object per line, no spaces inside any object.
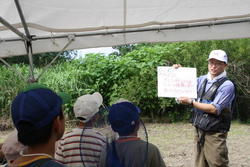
{"x":215,"y":63}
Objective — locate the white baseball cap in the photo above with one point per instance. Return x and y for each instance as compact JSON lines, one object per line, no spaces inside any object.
{"x":218,"y":55}
{"x":87,"y":106}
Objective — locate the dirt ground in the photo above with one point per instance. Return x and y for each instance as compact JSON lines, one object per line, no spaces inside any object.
{"x":175,"y":142}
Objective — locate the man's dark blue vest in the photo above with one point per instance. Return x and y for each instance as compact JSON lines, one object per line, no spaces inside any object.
{"x":211,"y":122}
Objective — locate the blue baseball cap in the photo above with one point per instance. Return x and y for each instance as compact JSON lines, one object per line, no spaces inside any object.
{"x":123,"y":117}
{"x":37,"y":107}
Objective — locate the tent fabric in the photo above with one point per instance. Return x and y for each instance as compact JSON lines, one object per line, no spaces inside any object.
{"x":95,"y":23}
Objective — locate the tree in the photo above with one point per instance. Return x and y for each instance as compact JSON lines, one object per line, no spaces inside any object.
{"x":42,"y":59}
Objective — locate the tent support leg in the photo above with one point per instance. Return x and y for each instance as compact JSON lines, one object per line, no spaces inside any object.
{"x":71,"y":39}
{"x":31,"y":64}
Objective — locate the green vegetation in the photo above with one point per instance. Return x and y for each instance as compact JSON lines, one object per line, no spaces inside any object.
{"x":131,"y":74}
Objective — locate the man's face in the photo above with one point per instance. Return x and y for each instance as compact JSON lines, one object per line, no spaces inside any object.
{"x":216,"y":67}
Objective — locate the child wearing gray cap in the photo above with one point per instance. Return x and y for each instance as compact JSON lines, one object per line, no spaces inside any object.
{"x":82,"y":145}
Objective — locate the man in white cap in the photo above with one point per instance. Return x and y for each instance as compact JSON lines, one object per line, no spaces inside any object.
{"x":212,"y":112}
{"x":82,"y":146}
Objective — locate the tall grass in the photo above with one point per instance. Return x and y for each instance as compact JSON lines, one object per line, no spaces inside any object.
{"x":10,"y":85}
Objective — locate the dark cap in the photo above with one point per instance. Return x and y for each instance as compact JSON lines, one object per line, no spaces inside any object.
{"x":36,"y":107}
{"x":123,"y":117}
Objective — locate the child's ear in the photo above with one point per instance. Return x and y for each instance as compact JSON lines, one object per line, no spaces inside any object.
{"x":58,"y":126}
{"x":56,"y":123}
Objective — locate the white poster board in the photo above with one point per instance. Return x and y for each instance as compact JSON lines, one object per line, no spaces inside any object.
{"x":180,"y":82}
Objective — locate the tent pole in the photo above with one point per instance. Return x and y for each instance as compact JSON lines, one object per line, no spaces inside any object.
{"x":161,"y":27}
{"x":71,"y":39}
{"x":145,"y":29}
{"x":13,"y":29}
{"x":28,"y":42}
{"x":124,"y":21}
{"x":31,"y":64}
{"x":22,"y":19}
{"x":13,"y":69}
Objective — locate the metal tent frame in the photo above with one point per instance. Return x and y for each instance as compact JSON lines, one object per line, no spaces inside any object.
{"x":127,"y":31}
{"x":27,"y":39}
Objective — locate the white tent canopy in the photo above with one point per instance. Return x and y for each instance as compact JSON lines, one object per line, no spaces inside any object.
{"x":54,"y":25}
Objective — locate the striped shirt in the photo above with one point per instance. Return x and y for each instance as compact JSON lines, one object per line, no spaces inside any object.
{"x":76,"y":149}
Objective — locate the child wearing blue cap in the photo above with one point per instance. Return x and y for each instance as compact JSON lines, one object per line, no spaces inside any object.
{"x":38,"y":117}
{"x":128,"y":150}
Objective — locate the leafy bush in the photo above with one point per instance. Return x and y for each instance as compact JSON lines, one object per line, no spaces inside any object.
{"x":132,"y":75}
